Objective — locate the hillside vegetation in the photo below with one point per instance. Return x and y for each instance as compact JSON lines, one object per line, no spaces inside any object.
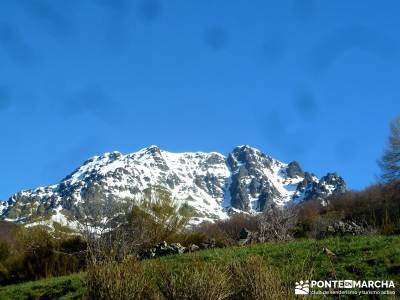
{"x":353,"y":236}
{"x":361,"y":257}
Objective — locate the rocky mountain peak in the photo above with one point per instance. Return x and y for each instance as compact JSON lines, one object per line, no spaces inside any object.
{"x":294,"y":170}
{"x":248,"y":157}
{"x":214,"y":186}
{"x":153,"y":149}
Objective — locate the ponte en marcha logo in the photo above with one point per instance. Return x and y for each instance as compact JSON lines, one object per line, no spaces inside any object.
{"x":355,"y":287}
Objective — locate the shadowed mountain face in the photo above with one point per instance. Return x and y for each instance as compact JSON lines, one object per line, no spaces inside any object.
{"x":211,"y":184}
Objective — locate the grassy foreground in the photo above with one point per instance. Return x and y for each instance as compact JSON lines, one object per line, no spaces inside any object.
{"x":363,"y":258}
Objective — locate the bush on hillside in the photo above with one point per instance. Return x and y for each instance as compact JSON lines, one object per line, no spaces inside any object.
{"x":199,"y":281}
{"x":37,"y":254}
{"x":226,"y":233}
{"x":155,"y":221}
{"x":277,"y":224}
{"x":4,"y":251}
{"x":376,"y":208}
{"x":253,"y":279}
{"x":144,"y":225}
{"x":188,"y":238}
{"x":119,"y":281}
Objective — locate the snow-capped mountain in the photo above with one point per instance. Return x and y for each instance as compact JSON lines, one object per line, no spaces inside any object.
{"x":210,"y":183}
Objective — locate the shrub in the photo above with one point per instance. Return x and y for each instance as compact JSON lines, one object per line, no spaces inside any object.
{"x":199,"y":281}
{"x":13,"y":270}
{"x":119,"y":281}
{"x":3,"y":273}
{"x":252,"y":279}
{"x":135,"y":228}
{"x":225,"y":233}
{"x":45,"y":256}
{"x":214,"y":232}
{"x":308,"y":212}
{"x":232,"y":226}
{"x":4,"y":251}
{"x":35,"y":254}
{"x":277,"y":224}
{"x":7,"y":231}
{"x":377,"y":206}
{"x":156,"y":220}
{"x":188,"y":238}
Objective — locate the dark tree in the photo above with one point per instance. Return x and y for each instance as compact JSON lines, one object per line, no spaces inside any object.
{"x":390,"y":161}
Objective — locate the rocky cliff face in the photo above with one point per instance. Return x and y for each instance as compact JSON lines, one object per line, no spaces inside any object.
{"x":210,"y":183}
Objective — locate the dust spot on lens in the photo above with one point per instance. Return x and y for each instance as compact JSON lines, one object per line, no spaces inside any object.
{"x":216,"y":37}
{"x":150,"y":9}
{"x":305,"y":104}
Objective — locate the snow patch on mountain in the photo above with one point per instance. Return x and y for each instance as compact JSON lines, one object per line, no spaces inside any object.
{"x":247,"y":180}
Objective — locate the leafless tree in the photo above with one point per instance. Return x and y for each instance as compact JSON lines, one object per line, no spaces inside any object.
{"x":277,"y":224}
{"x":100,"y":226}
{"x":390,"y":161}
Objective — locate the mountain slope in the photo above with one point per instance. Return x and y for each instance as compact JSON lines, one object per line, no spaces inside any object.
{"x":213,"y":185}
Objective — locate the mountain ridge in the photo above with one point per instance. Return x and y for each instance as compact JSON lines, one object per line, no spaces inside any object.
{"x":213,"y":185}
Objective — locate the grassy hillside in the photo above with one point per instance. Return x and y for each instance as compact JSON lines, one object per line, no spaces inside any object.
{"x":364,"y":258}
{"x":65,"y":287}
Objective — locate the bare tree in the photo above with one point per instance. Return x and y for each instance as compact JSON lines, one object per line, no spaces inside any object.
{"x":277,"y":224}
{"x":101,"y":220}
{"x":390,"y":161}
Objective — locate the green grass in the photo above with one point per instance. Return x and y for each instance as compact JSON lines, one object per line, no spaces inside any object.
{"x":368,"y":257}
{"x":363,"y":258}
{"x":65,"y":287}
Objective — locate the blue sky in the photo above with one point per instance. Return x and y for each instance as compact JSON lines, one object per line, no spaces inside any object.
{"x":313,"y":81}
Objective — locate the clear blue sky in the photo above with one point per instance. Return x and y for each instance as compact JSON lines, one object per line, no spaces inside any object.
{"x":313,"y":81}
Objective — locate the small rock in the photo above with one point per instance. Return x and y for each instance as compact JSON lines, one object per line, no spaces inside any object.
{"x":177,"y":248}
{"x":193,"y":248}
{"x":244,"y":234}
{"x":328,"y":252}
